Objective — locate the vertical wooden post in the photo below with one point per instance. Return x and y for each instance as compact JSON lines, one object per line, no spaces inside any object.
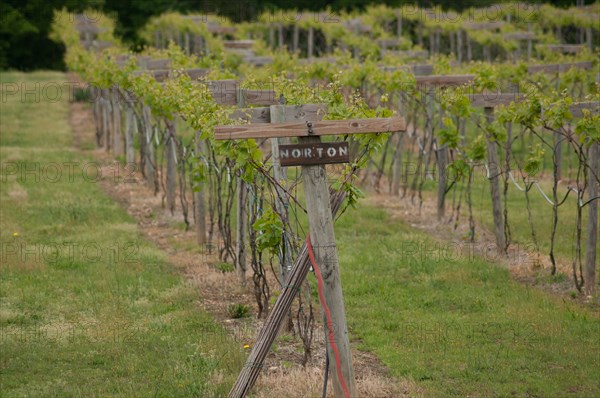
{"x":592,"y":227}
{"x":588,"y":36}
{"x":105,"y":119}
{"x":469,"y":48}
{"x":242,"y":214}
{"x":280,"y":175}
{"x":322,"y":236}
{"x":397,"y":170}
{"x":311,"y":42}
{"x":280,"y":36}
{"x":487,"y":54}
{"x":399,"y":24}
{"x":197,"y":45}
{"x":459,"y":45}
{"x":130,"y":125}
{"x":296,"y":37}
{"x":529,"y":43}
{"x":170,"y":149}
{"x":118,"y":149}
{"x":558,"y":140}
{"x":199,"y":200}
{"x":272,"y":36}
{"x":149,"y":157}
{"x":442,"y":163}
{"x":187,"y":43}
{"x":431,"y":43}
{"x":494,"y":169}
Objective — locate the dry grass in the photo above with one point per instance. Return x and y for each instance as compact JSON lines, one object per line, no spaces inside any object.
{"x":305,"y":383}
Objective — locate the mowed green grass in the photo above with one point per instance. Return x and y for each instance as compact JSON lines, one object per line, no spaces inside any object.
{"x":87,"y":306}
{"x":455,"y":324}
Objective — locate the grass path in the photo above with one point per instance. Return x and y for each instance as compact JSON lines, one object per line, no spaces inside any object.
{"x":457,"y":325}
{"x":87,"y":306}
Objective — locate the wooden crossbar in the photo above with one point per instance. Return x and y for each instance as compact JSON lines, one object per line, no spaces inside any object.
{"x":326,"y":127}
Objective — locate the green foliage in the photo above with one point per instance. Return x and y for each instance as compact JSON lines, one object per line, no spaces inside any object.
{"x":237,"y":311}
{"x":449,"y":134}
{"x":269,"y":230}
{"x":225,"y":267}
{"x":533,"y":163}
{"x":588,"y":126}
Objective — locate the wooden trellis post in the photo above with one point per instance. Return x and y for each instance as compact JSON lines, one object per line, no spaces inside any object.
{"x":592,"y":228}
{"x":242,"y":214}
{"x":280,"y":175}
{"x":171,"y":155}
{"x":431,"y":83}
{"x":593,"y":161}
{"x":311,"y":42}
{"x":130,"y":127}
{"x":199,"y":199}
{"x":118,"y":149}
{"x":488,"y":102}
{"x":312,"y":155}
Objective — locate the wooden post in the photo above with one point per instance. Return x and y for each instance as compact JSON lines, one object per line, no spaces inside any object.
{"x":494,"y":169}
{"x":280,"y":174}
{"x":469,"y":48}
{"x":487,"y":55}
{"x":130,"y":125}
{"x":322,"y":236}
{"x":592,"y":228}
{"x":296,"y":37}
{"x":187,"y":43}
{"x":242,"y":214}
{"x":558,"y":140}
{"x":459,"y":45}
{"x":118,"y":149}
{"x":311,"y":41}
{"x":589,"y":38}
{"x":529,"y":43}
{"x":170,"y":149}
{"x":106,"y":119}
{"x":199,"y":200}
{"x":280,"y":36}
{"x":399,"y":24}
{"x":197,"y":45}
{"x":149,"y":157}
{"x":431,"y":42}
{"x":442,"y":163}
{"x":397,"y":170}
{"x":272,"y":36}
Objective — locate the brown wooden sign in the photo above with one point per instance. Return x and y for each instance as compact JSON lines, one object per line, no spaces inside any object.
{"x":314,"y":153}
